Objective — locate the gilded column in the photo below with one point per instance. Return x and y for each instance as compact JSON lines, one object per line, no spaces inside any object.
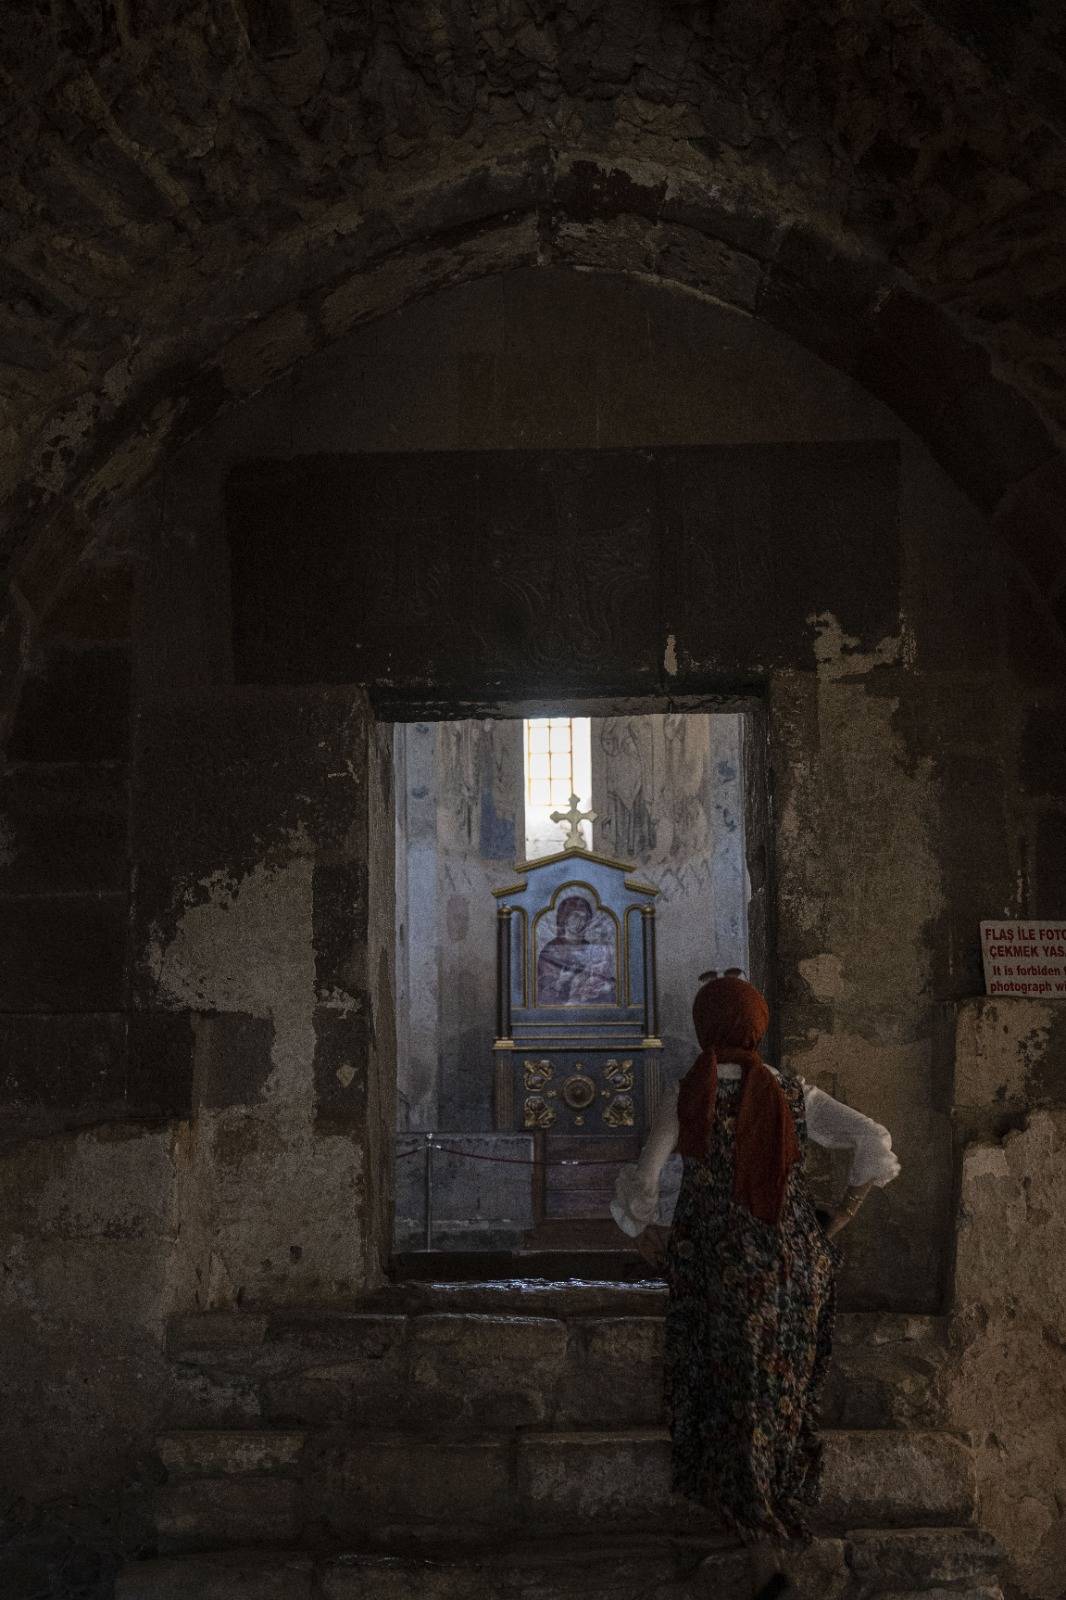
{"x":651,"y":998}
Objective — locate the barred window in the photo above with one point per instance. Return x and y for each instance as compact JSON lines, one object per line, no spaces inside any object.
{"x":558,"y":763}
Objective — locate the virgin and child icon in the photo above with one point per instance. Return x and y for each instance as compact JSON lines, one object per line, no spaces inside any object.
{"x":577,"y":966}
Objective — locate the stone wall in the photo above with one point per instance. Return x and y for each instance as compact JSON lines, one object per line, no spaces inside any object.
{"x":92,"y":1268}
{"x":888,"y":194}
{"x":64,"y":801}
{"x":902,"y":806}
{"x":245,"y":1049}
{"x":1007,"y":1382}
{"x":225,"y":1138}
{"x":256,"y":819}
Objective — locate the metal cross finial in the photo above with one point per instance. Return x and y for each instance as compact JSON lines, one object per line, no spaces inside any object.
{"x":574,"y":816}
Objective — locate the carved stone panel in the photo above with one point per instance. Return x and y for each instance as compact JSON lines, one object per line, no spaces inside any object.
{"x":590,"y":1093}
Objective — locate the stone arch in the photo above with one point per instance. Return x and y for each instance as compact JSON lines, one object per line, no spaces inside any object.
{"x":542,"y":206}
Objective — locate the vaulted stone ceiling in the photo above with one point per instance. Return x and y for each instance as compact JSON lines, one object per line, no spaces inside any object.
{"x":197,"y":194}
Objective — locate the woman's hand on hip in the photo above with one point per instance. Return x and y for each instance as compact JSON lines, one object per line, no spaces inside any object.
{"x":848,"y":1210}
{"x":652,"y":1245}
{"x":838,"y":1222}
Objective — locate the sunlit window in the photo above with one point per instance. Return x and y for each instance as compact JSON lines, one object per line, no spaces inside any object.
{"x":558,"y":763}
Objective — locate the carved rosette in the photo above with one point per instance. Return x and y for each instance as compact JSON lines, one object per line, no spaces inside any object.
{"x":537,"y":1074}
{"x":621,"y":1112}
{"x":618,"y":1075}
{"x":538,"y":1113}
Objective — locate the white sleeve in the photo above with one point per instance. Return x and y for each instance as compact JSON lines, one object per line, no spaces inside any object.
{"x":636,"y":1195}
{"x":838,"y":1127}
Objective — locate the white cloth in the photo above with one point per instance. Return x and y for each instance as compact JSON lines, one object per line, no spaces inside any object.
{"x":829,"y":1123}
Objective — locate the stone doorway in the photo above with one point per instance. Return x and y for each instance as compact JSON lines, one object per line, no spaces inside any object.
{"x":378,"y":588}
{"x":671,"y":798}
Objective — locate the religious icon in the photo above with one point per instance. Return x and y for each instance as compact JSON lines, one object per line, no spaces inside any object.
{"x":577,"y":966}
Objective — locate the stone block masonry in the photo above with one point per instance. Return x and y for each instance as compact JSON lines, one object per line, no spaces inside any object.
{"x":558,"y":1357}
{"x":456,"y":1444}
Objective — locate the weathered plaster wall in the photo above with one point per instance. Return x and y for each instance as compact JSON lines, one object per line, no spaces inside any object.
{"x":1007,"y":1383}
{"x":255,"y":824}
{"x":859,"y":888}
{"x":1010,"y":1058}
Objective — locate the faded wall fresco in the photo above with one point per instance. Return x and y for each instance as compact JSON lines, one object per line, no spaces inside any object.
{"x":669,"y":797}
{"x":459,"y":826}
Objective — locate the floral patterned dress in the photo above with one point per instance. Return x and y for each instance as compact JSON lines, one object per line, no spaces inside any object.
{"x":749,"y":1331}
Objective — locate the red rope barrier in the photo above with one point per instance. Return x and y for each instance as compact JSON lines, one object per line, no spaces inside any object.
{"x":509,"y":1161}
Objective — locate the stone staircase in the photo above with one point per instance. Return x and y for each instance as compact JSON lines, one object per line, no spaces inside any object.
{"x":468,"y":1441}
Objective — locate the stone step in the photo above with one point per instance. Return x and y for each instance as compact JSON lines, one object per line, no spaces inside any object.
{"x":857,"y":1565}
{"x":525,"y":1296}
{"x":391,"y":1489}
{"x":472,"y":1360}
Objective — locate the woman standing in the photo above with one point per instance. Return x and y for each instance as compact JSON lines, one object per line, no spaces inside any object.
{"x":751,"y":1273}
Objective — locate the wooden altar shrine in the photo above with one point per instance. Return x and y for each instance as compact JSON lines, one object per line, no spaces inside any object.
{"x":577,"y":1053}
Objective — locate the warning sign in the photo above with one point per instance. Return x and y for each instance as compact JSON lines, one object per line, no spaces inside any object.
{"x":1025,"y":958}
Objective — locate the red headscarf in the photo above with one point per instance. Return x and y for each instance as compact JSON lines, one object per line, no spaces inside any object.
{"x":731,"y":1017}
